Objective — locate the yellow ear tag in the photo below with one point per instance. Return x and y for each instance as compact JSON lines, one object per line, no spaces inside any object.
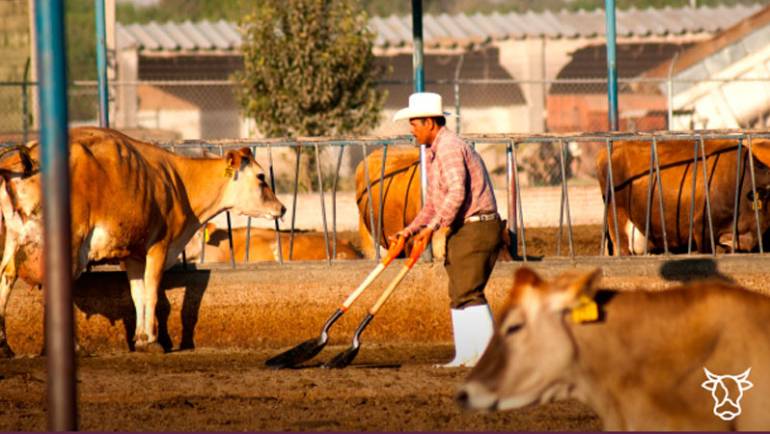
{"x":756,"y":204}
{"x":228,"y":172}
{"x":206,"y":235}
{"x":585,"y":311}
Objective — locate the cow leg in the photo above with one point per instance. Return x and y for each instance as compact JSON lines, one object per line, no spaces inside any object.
{"x":367,"y":243}
{"x":636,"y":239}
{"x":7,"y":281}
{"x":8,"y":278}
{"x":620,"y":247}
{"x":153,"y":272}
{"x":135,"y":271}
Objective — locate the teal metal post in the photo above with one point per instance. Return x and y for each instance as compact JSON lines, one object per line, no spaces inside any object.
{"x":101,"y":64}
{"x":419,"y":86}
{"x":417,"y":58}
{"x":59,"y":336}
{"x":612,"y":71}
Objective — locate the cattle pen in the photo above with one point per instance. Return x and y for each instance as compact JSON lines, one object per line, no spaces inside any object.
{"x":219,"y":322}
{"x":558,"y":242}
{"x":558,"y":152}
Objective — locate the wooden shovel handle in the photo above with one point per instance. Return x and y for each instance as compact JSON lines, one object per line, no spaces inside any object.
{"x":393,"y":251}
{"x":417,"y":250}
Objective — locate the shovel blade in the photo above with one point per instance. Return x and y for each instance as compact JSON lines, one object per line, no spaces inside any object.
{"x":300,"y":353}
{"x":343,"y":359}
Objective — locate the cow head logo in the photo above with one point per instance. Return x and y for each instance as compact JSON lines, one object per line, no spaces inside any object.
{"x":727,"y":391}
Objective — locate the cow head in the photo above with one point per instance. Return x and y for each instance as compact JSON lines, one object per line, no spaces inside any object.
{"x":529,"y":356}
{"x":727,"y":391}
{"x":248,"y":192}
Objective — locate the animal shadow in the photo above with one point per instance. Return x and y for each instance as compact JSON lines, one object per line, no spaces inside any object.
{"x":692,"y":269}
{"x":108,"y":294}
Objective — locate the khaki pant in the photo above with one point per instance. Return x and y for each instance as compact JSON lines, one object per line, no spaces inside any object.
{"x":471,"y":253}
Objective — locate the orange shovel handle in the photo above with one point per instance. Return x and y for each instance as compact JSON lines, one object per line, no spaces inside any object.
{"x":417,"y":250}
{"x":394,"y":250}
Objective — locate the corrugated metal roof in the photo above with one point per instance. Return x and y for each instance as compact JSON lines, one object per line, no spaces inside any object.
{"x":449,"y":31}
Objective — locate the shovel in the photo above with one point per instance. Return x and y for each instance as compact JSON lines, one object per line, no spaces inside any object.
{"x":344,"y":358}
{"x":308,"y":349}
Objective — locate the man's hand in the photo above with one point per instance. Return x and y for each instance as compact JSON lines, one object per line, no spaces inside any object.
{"x":424,"y":235}
{"x":393,"y":239}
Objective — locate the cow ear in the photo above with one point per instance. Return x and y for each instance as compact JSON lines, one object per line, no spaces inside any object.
{"x":709,"y":384}
{"x":524,"y":278}
{"x":246,"y":152}
{"x":571,"y":288}
{"x":527,"y":287}
{"x":233,"y":159}
{"x":746,"y":385}
{"x":587,"y":283}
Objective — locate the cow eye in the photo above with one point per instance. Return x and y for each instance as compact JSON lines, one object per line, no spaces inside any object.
{"x":513,"y":328}
{"x":261,"y":177}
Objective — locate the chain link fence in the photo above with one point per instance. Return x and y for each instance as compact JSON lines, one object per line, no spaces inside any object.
{"x":477,"y":105}
{"x":208,"y":109}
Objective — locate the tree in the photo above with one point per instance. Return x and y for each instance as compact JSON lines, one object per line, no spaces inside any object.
{"x":309,"y":70}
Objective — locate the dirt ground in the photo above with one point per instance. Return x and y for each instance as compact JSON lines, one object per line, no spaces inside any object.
{"x":390,"y":387}
{"x":387,"y":389}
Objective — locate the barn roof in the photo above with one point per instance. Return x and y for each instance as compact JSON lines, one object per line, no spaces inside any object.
{"x":461,"y":30}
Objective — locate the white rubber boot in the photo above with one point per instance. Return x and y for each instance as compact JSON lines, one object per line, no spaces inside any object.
{"x":472,"y":329}
{"x":483,"y":329}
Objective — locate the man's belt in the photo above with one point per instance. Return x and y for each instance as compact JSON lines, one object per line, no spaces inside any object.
{"x":482,"y":217}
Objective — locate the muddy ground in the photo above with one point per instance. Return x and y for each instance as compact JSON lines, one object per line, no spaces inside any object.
{"x":390,"y":387}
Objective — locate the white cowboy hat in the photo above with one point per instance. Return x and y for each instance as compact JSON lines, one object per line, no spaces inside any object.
{"x":422,"y":105}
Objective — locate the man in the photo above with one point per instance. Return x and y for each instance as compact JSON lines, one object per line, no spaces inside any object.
{"x":460,"y":197}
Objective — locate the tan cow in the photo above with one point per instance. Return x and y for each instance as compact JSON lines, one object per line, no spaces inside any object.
{"x":263,"y":245}
{"x":630,"y":167}
{"x":636,"y":357}
{"x":132,"y":203}
{"x":400,"y":196}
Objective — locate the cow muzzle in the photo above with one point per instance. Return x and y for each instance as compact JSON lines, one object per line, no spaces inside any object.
{"x":474,"y":396}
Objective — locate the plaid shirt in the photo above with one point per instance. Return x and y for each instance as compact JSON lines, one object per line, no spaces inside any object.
{"x":458,"y":184}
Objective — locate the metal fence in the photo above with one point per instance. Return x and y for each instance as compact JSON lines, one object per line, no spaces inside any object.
{"x":512,"y":205}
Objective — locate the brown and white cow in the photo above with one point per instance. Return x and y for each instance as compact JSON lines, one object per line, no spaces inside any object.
{"x":636,"y":357}
{"x":133,"y":203}
{"x":630,"y":167}
{"x":263,"y":245}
